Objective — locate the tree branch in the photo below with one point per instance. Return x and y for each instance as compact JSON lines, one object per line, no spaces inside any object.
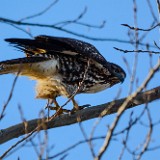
{"x":140,"y":29}
{"x":136,"y":51}
{"x":40,"y":13}
{"x":53,"y":26}
{"x":86,"y":114}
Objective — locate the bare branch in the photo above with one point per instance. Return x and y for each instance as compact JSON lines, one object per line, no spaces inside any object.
{"x":9,"y":98}
{"x":76,"y":21}
{"x":86,"y":139}
{"x":23,"y":30}
{"x":156,"y":45}
{"x":39,"y":13}
{"x":64,"y":23}
{"x":136,"y":51}
{"x":148,"y":137}
{"x":140,"y":29}
{"x":52,"y":26}
{"x":75,"y":145}
{"x":152,"y":11}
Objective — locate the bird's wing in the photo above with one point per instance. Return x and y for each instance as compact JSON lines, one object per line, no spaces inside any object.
{"x":50,"y":45}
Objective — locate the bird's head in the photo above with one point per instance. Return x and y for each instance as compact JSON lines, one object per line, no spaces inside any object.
{"x":117,"y":72}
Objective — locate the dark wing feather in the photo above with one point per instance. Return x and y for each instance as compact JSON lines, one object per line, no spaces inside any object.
{"x":73,"y":45}
{"x":50,"y":45}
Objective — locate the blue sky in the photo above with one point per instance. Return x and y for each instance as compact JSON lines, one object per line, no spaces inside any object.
{"x":114,"y":13}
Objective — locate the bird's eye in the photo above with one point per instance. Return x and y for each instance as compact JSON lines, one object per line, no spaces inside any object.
{"x":116,"y":70}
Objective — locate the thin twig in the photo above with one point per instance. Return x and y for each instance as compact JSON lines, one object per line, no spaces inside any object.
{"x":137,"y":51}
{"x":86,"y":139}
{"x":80,"y":16}
{"x":9,"y":98}
{"x":125,"y":141}
{"x":52,"y":26}
{"x":152,"y":11}
{"x":23,"y":30}
{"x":148,"y":137}
{"x":76,"y":21}
{"x":156,"y":45}
{"x":140,"y":29}
{"x":74,"y":146}
{"x":39,"y":13}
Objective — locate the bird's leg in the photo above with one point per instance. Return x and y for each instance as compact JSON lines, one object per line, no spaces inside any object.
{"x":76,"y":107}
{"x":57,"y":108}
{"x":49,"y":103}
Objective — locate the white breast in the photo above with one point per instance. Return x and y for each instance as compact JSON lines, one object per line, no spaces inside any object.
{"x":40,"y":70}
{"x":46,"y":68}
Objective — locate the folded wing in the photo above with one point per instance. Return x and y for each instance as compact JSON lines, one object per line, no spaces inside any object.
{"x":50,"y":45}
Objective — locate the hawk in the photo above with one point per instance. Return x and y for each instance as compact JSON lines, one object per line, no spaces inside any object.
{"x":62,"y":67}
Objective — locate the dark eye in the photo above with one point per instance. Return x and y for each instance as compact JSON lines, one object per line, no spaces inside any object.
{"x":116,"y":70}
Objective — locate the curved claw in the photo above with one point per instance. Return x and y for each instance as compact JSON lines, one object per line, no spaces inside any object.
{"x":84,"y":106}
{"x":58,"y":109}
{"x":79,"y":108}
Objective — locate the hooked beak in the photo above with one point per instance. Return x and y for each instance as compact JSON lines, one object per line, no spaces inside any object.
{"x":121,"y":77}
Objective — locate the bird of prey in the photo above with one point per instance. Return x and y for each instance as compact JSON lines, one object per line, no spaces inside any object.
{"x":62,"y":67}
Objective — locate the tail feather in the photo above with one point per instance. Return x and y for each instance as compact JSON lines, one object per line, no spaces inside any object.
{"x":17,"y":65}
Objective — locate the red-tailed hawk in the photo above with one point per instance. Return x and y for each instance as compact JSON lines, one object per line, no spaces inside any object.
{"x":62,"y":66}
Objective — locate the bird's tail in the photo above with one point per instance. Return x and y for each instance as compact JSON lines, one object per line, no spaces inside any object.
{"x":19,"y":65}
